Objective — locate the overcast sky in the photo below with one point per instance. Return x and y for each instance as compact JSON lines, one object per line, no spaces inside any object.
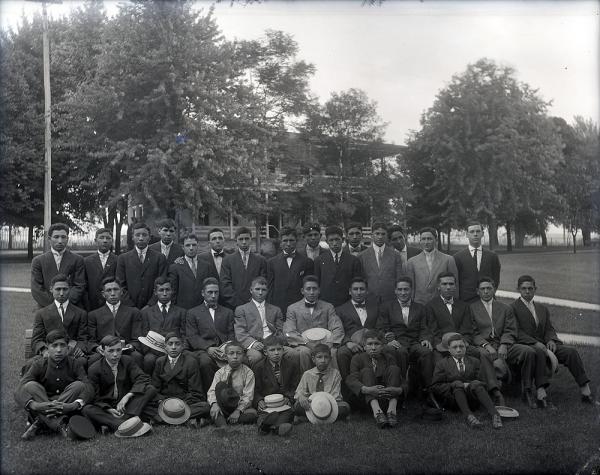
{"x":403,"y":53}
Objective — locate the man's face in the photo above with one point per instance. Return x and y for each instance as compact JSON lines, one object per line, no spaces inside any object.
{"x":274,"y":353}
{"x":474,"y":235}
{"x":112,"y":293}
{"x":446,"y":287}
{"x":354,"y":236}
{"x":190,"y":247}
{"x":259,"y":292}
{"x":164,"y":292}
{"x":113,"y":353}
{"x":313,"y":238}
{"x":58,"y":350}
{"x":358,"y":292}
{"x":310,"y":290}
{"x":166,"y":235}
{"x":397,"y":240}
{"x":243,"y":242}
{"x":379,"y":236}
{"x":486,"y":291}
{"x":141,"y":238}
{"x":321,"y":360}
{"x":288,"y":243}
{"x":403,"y":292}
{"x":527,"y":290}
{"x":373,"y":347}
{"x":210,"y":293}
{"x":457,"y":348}
{"x":60,"y":291}
{"x":104,"y":242}
{"x":335,"y":242}
{"x":216,"y":241}
{"x":234,"y":355}
{"x":427,"y":241}
{"x":174,"y":347}
{"x":59,"y":239}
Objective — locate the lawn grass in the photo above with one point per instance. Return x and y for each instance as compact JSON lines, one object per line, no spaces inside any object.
{"x":538,"y":442}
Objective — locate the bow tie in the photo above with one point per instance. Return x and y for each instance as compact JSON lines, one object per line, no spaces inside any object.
{"x":405,"y":305}
{"x":289,"y":254}
{"x":219,"y":254}
{"x":360,"y":305}
{"x":211,"y":305}
{"x":449,"y":301}
{"x":308,"y":304}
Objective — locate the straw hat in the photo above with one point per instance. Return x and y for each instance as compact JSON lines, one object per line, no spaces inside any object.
{"x":174,"y":411}
{"x":314,"y":336}
{"x":323,"y":408}
{"x":154,"y":340}
{"x":133,"y":427}
{"x":274,"y":403}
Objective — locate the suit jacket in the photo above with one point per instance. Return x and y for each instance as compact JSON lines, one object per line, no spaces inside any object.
{"x":152,"y":320}
{"x":208,"y":258}
{"x":440,"y":321}
{"x":127,"y":325}
{"x":528,"y":333}
{"x":43,"y":268}
{"x":391,"y":320}
{"x":285,"y":282}
{"x":47,"y":319}
{"x":236,"y":279}
{"x":381,"y":280}
{"x":174,"y":252}
{"x":248,"y":324}
{"x":187,"y":289}
{"x":94,"y":275}
{"x":504,"y":324}
{"x":446,"y":372}
{"x":299,"y":319}
{"x":468,"y":275}
{"x":335,"y":279}
{"x":363,"y":360}
{"x":425,"y":282}
{"x":412,"y":251}
{"x":202,"y":332}
{"x":183,"y":381}
{"x":136,"y":278}
{"x":351,"y":321}
{"x":130,"y":379}
{"x":266,"y":383}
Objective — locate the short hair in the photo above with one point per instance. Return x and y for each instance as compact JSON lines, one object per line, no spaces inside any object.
{"x":333,"y":230}
{"x":54,"y":335}
{"x":234,"y":343}
{"x":380,"y":225}
{"x":288,"y":231}
{"x":372,"y":333}
{"x":109,"y":340}
{"x":404,"y":278}
{"x":259,"y":279}
{"x":57,"y":227}
{"x":273,"y":340}
{"x":242,"y":230}
{"x":191,"y":236}
{"x":141,"y":225}
{"x":446,"y":274}
{"x":170,"y":335}
{"x":354,"y":224}
{"x":473,"y":222}
{"x":356,"y":280}
{"x":456,"y":337}
{"x":214,"y":230}
{"x":60,"y":278}
{"x":311,"y":227}
{"x":486,"y":279}
{"x":162,"y":280}
{"x":209,"y":281}
{"x":165,"y":223}
{"x":109,"y":280}
{"x":395,"y":228}
{"x":525,"y":278}
{"x":428,"y":230}
{"x":102,"y":231}
{"x":310,"y":278}
{"x":320,"y":348}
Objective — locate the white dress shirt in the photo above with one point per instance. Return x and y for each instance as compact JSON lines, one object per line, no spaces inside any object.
{"x":64,"y":306}
{"x":479,"y":251}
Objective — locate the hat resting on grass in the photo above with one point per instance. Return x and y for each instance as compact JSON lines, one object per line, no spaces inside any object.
{"x":174,"y":411}
{"x":274,"y":403}
{"x":81,"y":428}
{"x":154,"y":340}
{"x":507,"y":412}
{"x":323,"y":408}
{"x":133,"y":427}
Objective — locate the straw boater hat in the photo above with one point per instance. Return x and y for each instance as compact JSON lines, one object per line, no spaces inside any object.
{"x":314,"y":336}
{"x":133,"y":427}
{"x":443,"y":346}
{"x":174,"y":411}
{"x":80,"y":428}
{"x":274,"y":403}
{"x":507,"y":412}
{"x":323,"y":408}
{"x":154,"y":340}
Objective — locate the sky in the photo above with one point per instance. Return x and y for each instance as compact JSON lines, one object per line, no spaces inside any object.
{"x":402,"y":53}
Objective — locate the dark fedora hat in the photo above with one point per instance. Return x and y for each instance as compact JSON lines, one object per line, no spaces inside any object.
{"x":227,"y":397}
{"x":80,"y":428}
{"x":431,"y":414}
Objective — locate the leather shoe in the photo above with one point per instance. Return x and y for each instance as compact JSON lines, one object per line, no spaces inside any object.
{"x":589,"y":399}
{"x":381,"y":419}
{"x":392,"y":419}
{"x":496,"y":421}
{"x":530,"y":399}
{"x":473,"y":422}
{"x":545,"y":404}
{"x":31,"y":430}
{"x":498,"y":398}
{"x":431,"y":401}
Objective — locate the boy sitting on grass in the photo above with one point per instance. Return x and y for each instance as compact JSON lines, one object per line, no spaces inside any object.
{"x":321,"y":378}
{"x":376,"y":376}
{"x":232,"y":390}
{"x":54,"y":386}
{"x":457,"y":381}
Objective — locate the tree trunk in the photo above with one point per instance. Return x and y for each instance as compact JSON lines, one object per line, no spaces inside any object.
{"x":30,"y":242}
{"x":509,"y":246}
{"x":493,"y":233}
{"x":519,"y":235}
{"x":448,"y":243}
{"x":10,"y":237}
{"x":544,"y":238}
{"x":119,"y":219}
{"x":574,"y":234}
{"x":586,"y":234}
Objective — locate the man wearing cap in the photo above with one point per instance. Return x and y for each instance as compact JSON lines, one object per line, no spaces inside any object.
{"x":397,"y":239}
{"x":536,"y":330}
{"x":354,"y":244}
{"x":99,"y":266}
{"x":167,"y":246}
{"x":312,"y":235}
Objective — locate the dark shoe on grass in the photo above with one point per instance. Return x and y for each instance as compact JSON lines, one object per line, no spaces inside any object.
{"x":31,"y":431}
{"x":496,"y":421}
{"x":392,"y":419}
{"x":381,"y":420}
{"x":589,"y":399}
{"x":544,"y":403}
{"x":473,"y":422}
{"x":530,"y":399}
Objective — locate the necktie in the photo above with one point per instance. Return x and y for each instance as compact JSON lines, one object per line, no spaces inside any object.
{"x":261,"y":311}
{"x":277,"y":371}
{"x":337,"y":259}
{"x":113,"y":309}
{"x":115,"y":388}
{"x":194,"y":267}
{"x":379,"y":257}
{"x":58,"y":259}
{"x":461,"y":366}
{"x":245,"y":259}
{"x":374,"y":364}
{"x":164,"y":312}
{"x":488,"y":307}
{"x":320,"y":383}
{"x":141,"y":254}
{"x":172,"y":363}
{"x":532,"y":310}
{"x":62,"y":312}
{"x":475,"y":258}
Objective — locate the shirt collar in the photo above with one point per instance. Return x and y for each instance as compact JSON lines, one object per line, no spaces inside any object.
{"x":450,"y":300}
{"x":527,"y":304}
{"x":116,"y":306}
{"x":429,"y":253}
{"x":471,"y":249}
{"x":406,"y":304}
{"x":103,"y":254}
{"x":356,"y":303}
{"x":160,"y":305}
{"x":141,"y":251}
{"x":333,"y":254}
{"x":377,"y":248}
{"x":457,"y":360}
{"x":261,"y":304}
{"x":191,"y":259}
{"x":64,"y":305}
{"x":166,"y":246}
{"x":56,"y":253}
{"x":173,"y":360}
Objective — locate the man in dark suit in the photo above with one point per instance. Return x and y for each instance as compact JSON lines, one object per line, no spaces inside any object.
{"x":256,"y":320}
{"x":312,"y":235}
{"x":336,"y":268}
{"x":536,"y":330}
{"x":137,"y":269}
{"x":475,"y":262}
{"x":115,"y":319}
{"x":99,"y":266}
{"x":167,"y":246}
{"x":354,"y":237}
{"x":398,"y":240}
{"x":58,"y":260}
{"x":187,"y":275}
{"x":285,"y":272}
{"x":239,"y":269}
{"x":381,"y":265}
{"x":208,"y":326}
{"x":214,"y":257}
